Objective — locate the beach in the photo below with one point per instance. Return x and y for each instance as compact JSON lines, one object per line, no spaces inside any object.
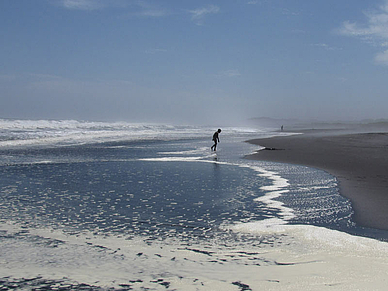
{"x":122,"y":206}
{"x":357,"y":158}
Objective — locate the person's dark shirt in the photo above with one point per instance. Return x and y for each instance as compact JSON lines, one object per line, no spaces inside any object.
{"x":215,"y":136}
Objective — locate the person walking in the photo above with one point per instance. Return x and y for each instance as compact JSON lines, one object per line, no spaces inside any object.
{"x":216,"y":139}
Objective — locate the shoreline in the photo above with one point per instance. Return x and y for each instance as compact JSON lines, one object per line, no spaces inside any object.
{"x":358,"y":159}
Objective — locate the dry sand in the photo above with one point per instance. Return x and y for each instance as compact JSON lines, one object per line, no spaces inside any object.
{"x":359,"y":160}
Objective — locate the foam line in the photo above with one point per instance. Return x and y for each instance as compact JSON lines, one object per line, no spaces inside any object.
{"x":172,"y":159}
{"x":188,"y":152}
{"x":276,"y":189}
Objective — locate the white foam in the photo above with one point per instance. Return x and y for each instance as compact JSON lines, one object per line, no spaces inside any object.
{"x":304,"y":258}
{"x":197,"y":151}
{"x":172,"y":159}
{"x":276,"y":189}
{"x":22,"y":133}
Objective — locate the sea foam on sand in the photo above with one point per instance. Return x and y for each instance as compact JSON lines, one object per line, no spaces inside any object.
{"x":300,"y":258}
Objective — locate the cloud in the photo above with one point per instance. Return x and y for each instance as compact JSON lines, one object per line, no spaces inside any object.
{"x":83,"y":4}
{"x":7,"y":78}
{"x":326,"y":46}
{"x":382,"y":58}
{"x":374,"y":32}
{"x":198,"y":15}
{"x":150,"y":10}
{"x":286,"y":11}
{"x":228,"y":74}
{"x":155,"y":51}
{"x":140,"y":7}
{"x":342,"y":79}
{"x":298,"y":31}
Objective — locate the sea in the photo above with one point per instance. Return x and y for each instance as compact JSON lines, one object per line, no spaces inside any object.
{"x":135,"y":206}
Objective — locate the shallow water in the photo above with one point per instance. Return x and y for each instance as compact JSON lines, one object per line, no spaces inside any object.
{"x":167,"y":213}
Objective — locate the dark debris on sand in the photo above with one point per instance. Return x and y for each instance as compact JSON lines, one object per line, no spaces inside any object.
{"x":40,"y":284}
{"x":242,"y":286}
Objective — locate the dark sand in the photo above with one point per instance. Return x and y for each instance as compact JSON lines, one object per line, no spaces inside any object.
{"x":358,"y":160}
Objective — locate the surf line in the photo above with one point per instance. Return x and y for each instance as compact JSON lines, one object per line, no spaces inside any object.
{"x":276,"y":189}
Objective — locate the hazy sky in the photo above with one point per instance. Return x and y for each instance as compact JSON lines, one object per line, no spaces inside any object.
{"x":193,"y":61}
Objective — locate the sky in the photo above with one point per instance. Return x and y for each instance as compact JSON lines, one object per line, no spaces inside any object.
{"x":193,"y":61}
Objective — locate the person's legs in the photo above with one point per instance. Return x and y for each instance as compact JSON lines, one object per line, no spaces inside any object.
{"x":215,"y":145}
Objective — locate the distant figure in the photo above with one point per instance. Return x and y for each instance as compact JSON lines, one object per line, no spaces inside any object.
{"x":216,"y":139}
{"x":281,"y":128}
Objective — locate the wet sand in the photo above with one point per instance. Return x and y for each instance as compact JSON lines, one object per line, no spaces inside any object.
{"x":358,"y":160}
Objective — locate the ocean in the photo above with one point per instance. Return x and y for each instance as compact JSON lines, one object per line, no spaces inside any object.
{"x":125,"y":206}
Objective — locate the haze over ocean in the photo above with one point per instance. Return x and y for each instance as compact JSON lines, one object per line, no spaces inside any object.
{"x":119,"y":205}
